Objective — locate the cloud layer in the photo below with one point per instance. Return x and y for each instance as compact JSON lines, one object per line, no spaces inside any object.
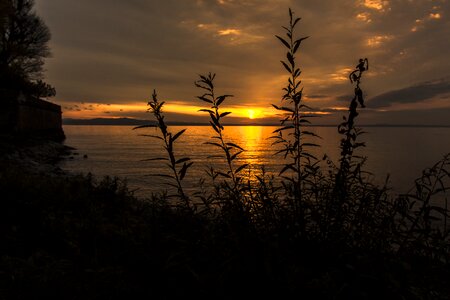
{"x":414,"y":94}
{"x":118,"y":51}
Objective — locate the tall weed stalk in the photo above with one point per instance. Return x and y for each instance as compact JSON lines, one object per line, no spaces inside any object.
{"x":291,"y":134}
{"x":178,"y":167}
{"x":347,"y":128}
{"x":349,"y":173}
{"x":230,"y":150}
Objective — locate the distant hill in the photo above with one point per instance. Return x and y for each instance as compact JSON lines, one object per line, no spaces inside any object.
{"x":119,"y":121}
{"x":105,"y":121}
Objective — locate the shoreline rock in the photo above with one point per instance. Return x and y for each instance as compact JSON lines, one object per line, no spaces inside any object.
{"x":34,"y":155}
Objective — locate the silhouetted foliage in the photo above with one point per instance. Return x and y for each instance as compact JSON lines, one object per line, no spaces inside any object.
{"x":177,"y":175}
{"x":291,"y":135}
{"x":229,"y":197}
{"x":41,"y":89}
{"x":23,"y":47}
{"x":350,"y":169}
{"x":230,"y":150}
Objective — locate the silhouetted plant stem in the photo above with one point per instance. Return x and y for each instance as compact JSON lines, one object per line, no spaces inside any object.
{"x":222,"y":141}
{"x":348,"y":129}
{"x":293,"y":145}
{"x":169,"y":140}
{"x":206,"y":83}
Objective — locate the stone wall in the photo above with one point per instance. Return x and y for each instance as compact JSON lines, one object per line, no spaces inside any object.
{"x":33,"y":117}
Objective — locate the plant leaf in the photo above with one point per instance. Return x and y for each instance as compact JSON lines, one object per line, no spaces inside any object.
{"x":223,"y":174}
{"x":206,"y":110}
{"x":235,"y":146}
{"x":240,"y":168}
{"x":178,"y":134}
{"x":204,"y":99}
{"x":152,"y":136}
{"x":182,"y":160}
{"x":286,"y":66}
{"x":290,"y":59}
{"x":235,"y":155}
{"x":184,"y":169}
{"x":283,"y":128}
{"x":284,"y":42}
{"x":214,"y":127}
{"x":215,"y":144}
{"x":154,"y":159}
{"x":220,"y":99}
{"x":287,"y":167}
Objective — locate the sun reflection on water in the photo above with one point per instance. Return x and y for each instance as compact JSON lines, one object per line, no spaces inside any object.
{"x":251,"y":137}
{"x":254,"y":139}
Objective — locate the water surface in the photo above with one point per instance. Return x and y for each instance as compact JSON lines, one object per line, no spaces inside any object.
{"x":401,"y":152}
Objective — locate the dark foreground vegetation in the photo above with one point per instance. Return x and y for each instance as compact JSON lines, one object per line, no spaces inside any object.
{"x":70,"y":237}
{"x":319,"y":230}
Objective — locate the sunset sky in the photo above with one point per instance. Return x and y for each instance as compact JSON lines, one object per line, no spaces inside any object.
{"x":109,"y":55}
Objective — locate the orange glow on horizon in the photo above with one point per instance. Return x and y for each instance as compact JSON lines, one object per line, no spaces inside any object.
{"x":99,"y":110}
{"x":236,"y":111}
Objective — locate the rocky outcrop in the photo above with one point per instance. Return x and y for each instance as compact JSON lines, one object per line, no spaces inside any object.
{"x":31,"y":155}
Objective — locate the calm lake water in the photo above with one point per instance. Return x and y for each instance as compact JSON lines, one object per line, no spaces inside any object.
{"x":402,"y":152}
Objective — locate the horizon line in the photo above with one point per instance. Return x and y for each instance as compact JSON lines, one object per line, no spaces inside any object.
{"x":110,"y":122}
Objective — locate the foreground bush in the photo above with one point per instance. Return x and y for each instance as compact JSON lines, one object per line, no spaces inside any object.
{"x":74,"y":238}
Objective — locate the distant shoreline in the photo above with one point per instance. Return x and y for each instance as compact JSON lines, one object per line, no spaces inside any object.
{"x":137,"y":122}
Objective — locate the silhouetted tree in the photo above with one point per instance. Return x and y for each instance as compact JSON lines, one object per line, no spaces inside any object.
{"x":24,"y":41}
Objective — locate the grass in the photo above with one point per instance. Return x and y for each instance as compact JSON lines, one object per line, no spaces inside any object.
{"x":322,"y":233}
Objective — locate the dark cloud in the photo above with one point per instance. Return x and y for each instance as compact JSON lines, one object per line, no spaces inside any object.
{"x":425,"y":117}
{"x":317,"y":96}
{"x":346,"y":98}
{"x":367,"y":117}
{"x":413,"y":94}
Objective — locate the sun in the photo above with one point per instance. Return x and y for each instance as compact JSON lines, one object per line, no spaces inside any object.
{"x":251,"y":114}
